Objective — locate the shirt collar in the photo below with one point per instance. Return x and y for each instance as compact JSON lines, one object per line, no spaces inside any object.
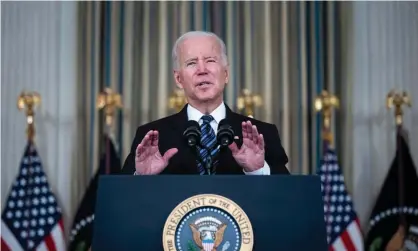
{"x":218,"y":114}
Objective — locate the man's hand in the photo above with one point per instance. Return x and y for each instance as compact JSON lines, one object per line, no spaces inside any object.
{"x":148,"y":159}
{"x":251,"y":154}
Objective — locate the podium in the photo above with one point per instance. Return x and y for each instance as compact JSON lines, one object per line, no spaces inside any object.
{"x":223,"y":213}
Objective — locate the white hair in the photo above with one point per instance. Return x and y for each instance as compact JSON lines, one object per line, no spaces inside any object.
{"x":189,"y":34}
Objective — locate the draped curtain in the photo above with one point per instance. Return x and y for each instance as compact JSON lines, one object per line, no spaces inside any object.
{"x":380,"y":54}
{"x":283,"y":51}
{"x":39,"y":53}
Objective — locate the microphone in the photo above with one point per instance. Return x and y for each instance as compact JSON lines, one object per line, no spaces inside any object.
{"x":225,"y":135}
{"x":192,"y":133}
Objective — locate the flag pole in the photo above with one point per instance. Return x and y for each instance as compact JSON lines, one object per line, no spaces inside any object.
{"x":397,"y":100}
{"x":28,"y":101}
{"x":324,"y":103}
{"x":109,"y":101}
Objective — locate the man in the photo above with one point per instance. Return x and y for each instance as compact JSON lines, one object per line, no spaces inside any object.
{"x":200,"y":67}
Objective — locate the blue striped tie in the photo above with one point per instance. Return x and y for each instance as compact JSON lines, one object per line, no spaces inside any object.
{"x":208,"y":143}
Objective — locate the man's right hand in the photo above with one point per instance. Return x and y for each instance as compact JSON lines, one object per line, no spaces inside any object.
{"x":148,"y":159}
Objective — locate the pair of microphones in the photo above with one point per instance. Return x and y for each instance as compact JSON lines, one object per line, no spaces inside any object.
{"x":192,"y":134}
{"x":224,"y":136}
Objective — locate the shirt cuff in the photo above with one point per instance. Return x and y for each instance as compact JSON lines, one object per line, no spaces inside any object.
{"x":265,"y":170}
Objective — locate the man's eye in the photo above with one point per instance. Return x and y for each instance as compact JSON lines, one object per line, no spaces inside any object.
{"x":190,"y":63}
{"x":211,"y":60}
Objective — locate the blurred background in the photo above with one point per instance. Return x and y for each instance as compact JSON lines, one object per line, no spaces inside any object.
{"x":287,"y":53}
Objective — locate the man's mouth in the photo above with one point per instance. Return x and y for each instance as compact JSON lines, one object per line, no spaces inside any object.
{"x":204,"y":83}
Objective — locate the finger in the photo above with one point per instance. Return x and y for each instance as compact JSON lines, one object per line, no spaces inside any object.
{"x":142,"y":147}
{"x":234,"y":148}
{"x":147,"y":139}
{"x":249,"y":130}
{"x":244,"y":130}
{"x":255,"y":134}
{"x":155,"y":137}
{"x":261,"y":141}
{"x":169,"y":154}
{"x":139,"y":150}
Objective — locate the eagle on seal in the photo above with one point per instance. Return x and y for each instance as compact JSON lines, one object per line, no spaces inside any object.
{"x":205,"y":241}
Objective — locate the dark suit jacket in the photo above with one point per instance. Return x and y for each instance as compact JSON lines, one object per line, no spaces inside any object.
{"x":171,"y":130}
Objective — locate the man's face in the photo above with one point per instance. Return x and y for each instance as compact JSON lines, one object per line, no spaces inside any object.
{"x":201,"y":72}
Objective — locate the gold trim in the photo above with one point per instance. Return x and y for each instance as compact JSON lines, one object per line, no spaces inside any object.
{"x":397,"y":100}
{"x":248,"y":101}
{"x":28,"y":101}
{"x":177,"y":100}
{"x":110,"y":102}
{"x":324,"y":103}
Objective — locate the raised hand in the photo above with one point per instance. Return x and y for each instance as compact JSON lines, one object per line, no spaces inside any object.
{"x":148,"y":159}
{"x":251,"y":154}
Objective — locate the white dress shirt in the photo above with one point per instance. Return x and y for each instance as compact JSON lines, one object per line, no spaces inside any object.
{"x":218,"y":114}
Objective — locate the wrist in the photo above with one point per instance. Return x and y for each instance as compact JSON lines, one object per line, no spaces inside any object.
{"x":253,"y":168}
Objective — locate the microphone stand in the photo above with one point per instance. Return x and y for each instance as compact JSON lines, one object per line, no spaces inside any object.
{"x":208,"y":163}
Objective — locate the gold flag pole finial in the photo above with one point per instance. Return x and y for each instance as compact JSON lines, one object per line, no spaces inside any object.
{"x":177,"y":100}
{"x":397,"y":99}
{"x":109,"y":101}
{"x":248,"y":102}
{"x":28,"y":101}
{"x":325,"y":102}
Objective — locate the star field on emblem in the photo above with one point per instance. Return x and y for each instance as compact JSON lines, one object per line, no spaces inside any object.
{"x":207,"y":223}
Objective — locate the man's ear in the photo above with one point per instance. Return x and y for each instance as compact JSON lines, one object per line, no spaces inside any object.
{"x":227,"y":74}
{"x":177,"y":78}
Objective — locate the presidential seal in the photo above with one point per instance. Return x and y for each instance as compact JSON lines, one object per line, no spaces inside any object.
{"x":208,"y":222}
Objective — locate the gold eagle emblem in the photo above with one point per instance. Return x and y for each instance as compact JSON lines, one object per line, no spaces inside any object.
{"x":198,"y":236}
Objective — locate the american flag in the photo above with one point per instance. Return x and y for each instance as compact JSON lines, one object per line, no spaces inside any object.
{"x":31,"y":219}
{"x":342,"y":224}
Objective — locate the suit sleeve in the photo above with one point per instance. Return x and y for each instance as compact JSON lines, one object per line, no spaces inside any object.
{"x":275,"y":154}
{"x":129,"y":164}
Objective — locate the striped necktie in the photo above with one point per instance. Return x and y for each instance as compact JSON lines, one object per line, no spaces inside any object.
{"x":208,"y":146}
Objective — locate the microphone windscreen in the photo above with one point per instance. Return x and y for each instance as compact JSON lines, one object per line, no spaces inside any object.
{"x":223,"y":124}
{"x":192,"y":133}
{"x":192,"y":123}
{"x":225,"y":134}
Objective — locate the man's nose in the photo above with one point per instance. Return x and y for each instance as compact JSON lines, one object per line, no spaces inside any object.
{"x":201,"y":67}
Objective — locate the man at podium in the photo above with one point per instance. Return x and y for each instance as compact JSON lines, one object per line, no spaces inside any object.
{"x":206,"y":137}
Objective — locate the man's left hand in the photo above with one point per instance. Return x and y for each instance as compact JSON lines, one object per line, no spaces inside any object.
{"x":251,"y":154}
